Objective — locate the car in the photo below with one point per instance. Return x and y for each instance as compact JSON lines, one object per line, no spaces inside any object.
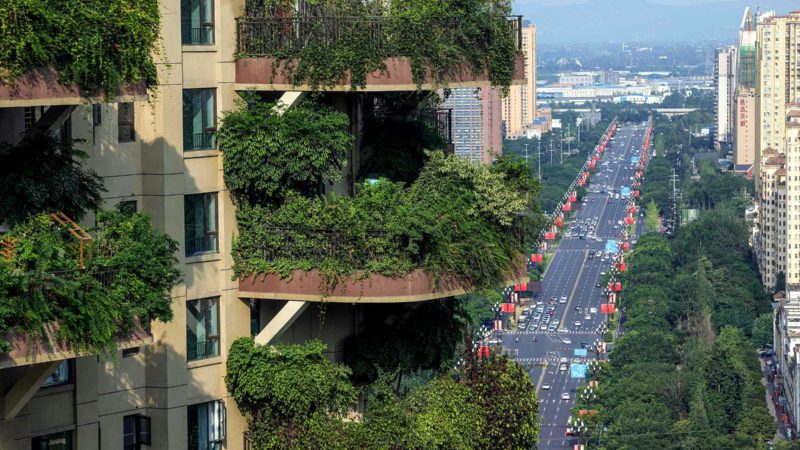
{"x":577,"y":308}
{"x":563,"y":359}
{"x":597,"y":285}
{"x":562,"y":367}
{"x":577,"y":323}
{"x":587,"y":317}
{"x":563,"y":299}
{"x":602,"y":274}
{"x":593,"y":310}
{"x":565,"y":396}
{"x":591,"y":256}
{"x":567,"y":341}
{"x":545,"y":387}
{"x":543,"y":327}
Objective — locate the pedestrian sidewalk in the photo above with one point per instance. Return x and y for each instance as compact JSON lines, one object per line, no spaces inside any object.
{"x":765,"y":371}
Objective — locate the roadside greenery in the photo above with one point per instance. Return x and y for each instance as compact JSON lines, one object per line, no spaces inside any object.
{"x":128,"y":274}
{"x":292,"y":396}
{"x":95,"y":44}
{"x":441,"y":38}
{"x":46,"y":174}
{"x":698,"y":301}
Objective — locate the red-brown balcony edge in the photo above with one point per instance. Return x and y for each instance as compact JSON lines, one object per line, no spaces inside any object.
{"x":375,"y":288}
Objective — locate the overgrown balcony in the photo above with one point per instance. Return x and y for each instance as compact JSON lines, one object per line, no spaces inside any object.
{"x":65,"y":292}
{"x":63,"y":53}
{"x":371,"y":46}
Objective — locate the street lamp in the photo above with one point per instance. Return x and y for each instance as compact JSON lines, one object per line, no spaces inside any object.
{"x":588,"y":396}
{"x":597,"y":346}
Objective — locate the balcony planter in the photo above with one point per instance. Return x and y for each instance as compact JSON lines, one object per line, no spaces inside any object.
{"x":419,"y":285}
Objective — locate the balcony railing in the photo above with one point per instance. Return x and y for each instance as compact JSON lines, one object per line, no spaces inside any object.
{"x":204,"y":35}
{"x":441,"y":120}
{"x":264,"y":36}
{"x":202,"y":349}
{"x":357,"y":249}
{"x":200,"y":141}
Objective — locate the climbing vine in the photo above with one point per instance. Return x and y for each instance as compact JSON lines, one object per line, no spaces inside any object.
{"x":329,"y":40}
{"x":95,"y":44}
{"x":128,"y":274}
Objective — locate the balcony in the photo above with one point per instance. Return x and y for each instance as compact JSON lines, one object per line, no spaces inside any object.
{"x":277,"y":52}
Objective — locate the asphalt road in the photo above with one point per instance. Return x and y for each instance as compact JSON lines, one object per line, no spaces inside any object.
{"x":572,"y":274}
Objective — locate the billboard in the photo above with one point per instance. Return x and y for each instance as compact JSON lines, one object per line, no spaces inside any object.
{"x":611,"y":246}
{"x":625,"y":191}
{"x":580,"y":352}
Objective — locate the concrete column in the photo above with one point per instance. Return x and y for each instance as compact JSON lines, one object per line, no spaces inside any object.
{"x":26,"y":387}
{"x":281,"y":322}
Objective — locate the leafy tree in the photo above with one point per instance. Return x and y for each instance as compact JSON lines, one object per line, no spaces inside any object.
{"x":266,"y":154}
{"x":45,"y":175}
{"x":762,"y":330}
{"x":127,"y":279}
{"x":504,"y":391}
{"x":288,"y":392}
{"x":652,"y":219}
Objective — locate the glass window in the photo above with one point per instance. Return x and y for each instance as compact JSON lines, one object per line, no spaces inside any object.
{"x":135,"y":431}
{"x":127,"y":207}
{"x":255,"y":316}
{"x":97,"y":115}
{"x":199,"y":119}
{"x":125,"y":128}
{"x":200,"y":223}
{"x":59,"y":376}
{"x":206,"y":425}
{"x":55,"y":441}
{"x":197,"y":22}
{"x":202,"y":328}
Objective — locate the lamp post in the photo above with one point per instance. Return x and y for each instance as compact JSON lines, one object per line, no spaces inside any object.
{"x":597,"y":346}
{"x":588,"y":396}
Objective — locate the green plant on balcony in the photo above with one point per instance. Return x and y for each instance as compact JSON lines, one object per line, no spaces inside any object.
{"x":129,"y":270}
{"x":45,"y":173}
{"x":95,"y":44}
{"x":327,"y":40}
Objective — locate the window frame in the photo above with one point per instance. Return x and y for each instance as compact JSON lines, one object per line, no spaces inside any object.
{"x":216,"y":434}
{"x":64,"y":367}
{"x":141,"y":432}
{"x":203,"y":25}
{"x":204,"y":127}
{"x":204,"y":309}
{"x":131,"y":122}
{"x":207,"y":196}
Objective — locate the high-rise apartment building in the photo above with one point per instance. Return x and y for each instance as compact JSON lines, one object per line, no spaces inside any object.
{"x":725,"y":83}
{"x":777,"y":91}
{"x":158,"y":154}
{"x":477,"y":123}
{"x":745,"y":127}
{"x":519,"y":106}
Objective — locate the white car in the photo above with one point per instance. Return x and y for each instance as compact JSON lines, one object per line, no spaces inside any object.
{"x":565,"y":396}
{"x":563,"y":299}
{"x":562,"y":367}
{"x":593,"y":310}
{"x":567,"y":341}
{"x":545,"y":387}
{"x":577,"y":323}
{"x":587,"y":317}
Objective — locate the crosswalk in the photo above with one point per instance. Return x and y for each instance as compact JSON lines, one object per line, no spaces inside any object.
{"x":542,"y":332}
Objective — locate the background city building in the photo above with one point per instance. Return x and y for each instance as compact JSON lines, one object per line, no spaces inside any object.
{"x":746,"y":123}
{"x":725,"y":79}
{"x":519,"y":106}
{"x":477,"y":123}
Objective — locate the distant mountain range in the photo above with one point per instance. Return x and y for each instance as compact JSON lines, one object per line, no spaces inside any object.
{"x":640,"y":20}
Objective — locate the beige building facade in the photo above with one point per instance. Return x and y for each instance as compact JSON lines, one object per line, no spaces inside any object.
{"x":778,"y":165}
{"x":519,"y":106}
{"x":158,"y":155}
{"x":725,"y":79}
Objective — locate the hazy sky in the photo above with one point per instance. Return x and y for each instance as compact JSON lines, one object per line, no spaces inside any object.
{"x":560,"y":21}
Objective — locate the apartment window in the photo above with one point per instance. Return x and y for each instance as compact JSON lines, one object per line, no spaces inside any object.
{"x":202,"y":328}
{"x":200,"y":221}
{"x":206,"y":425}
{"x":55,"y":441}
{"x":97,"y":115}
{"x":255,"y":316}
{"x":125,"y":128}
{"x":199,"y":119}
{"x":127,"y":206}
{"x":135,"y":431}
{"x":197,"y":22}
{"x":59,"y":376}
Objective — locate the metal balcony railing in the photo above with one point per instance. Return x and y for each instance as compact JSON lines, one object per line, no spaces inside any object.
{"x":316,"y":245}
{"x":203,"y":35}
{"x":200,"y":141}
{"x":202,"y":349}
{"x":264,"y":36}
{"x":441,"y":120}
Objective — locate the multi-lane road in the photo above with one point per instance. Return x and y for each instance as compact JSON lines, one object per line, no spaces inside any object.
{"x":576,"y":274}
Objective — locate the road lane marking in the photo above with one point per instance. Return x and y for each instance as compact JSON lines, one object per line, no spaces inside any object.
{"x":571,"y":295}
{"x":541,"y":378}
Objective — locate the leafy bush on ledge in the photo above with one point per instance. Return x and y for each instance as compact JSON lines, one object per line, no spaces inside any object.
{"x":129,"y":272}
{"x":459,"y":220}
{"x":335,"y":38}
{"x":266,"y":155}
{"x":95,"y":44}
